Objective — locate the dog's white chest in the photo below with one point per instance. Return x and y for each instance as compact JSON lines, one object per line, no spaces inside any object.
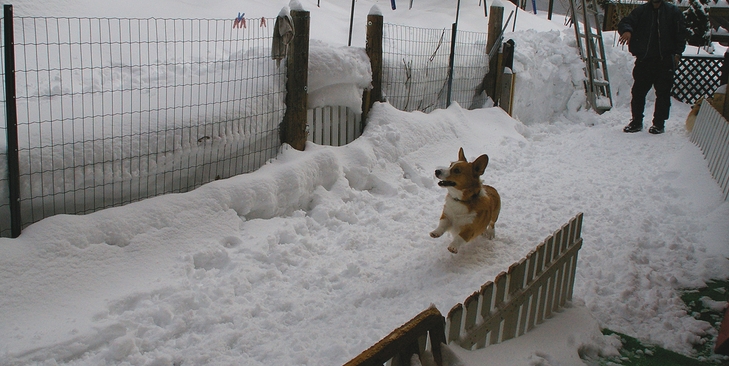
{"x":458,"y":213}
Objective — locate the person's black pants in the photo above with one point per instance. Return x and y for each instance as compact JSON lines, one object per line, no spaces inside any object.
{"x":659,"y":75}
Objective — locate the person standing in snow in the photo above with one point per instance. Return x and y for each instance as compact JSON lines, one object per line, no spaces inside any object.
{"x":655,"y":33}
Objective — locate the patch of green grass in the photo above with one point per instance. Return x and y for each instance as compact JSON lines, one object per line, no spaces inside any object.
{"x":716,"y":291}
{"x":635,"y":353}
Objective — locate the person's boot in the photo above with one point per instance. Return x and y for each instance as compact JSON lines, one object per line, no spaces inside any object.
{"x":633,"y":126}
{"x":657,"y":128}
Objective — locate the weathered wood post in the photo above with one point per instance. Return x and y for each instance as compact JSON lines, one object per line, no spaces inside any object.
{"x":721,"y":103}
{"x":374,"y":52}
{"x":494,"y":35}
{"x":724,"y":74}
{"x":293,"y":127}
{"x":499,"y":75}
{"x":507,"y":81}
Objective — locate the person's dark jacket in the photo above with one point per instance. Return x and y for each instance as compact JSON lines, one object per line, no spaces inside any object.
{"x":671,"y":30}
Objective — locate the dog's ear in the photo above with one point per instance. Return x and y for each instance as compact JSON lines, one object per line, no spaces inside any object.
{"x":461,"y":155}
{"x":479,"y":165}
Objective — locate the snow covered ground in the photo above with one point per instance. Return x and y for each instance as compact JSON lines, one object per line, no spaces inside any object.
{"x":319,"y":254}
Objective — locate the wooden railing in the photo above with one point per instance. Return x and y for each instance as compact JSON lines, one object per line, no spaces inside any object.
{"x":711,"y":134}
{"x":513,"y":304}
{"x":424,"y":332}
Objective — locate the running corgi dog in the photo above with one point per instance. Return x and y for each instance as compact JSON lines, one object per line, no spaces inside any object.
{"x":471,"y":207}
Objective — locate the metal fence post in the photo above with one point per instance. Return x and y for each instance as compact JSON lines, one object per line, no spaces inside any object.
{"x":351,"y":22}
{"x":11,"y":116}
{"x":451,"y":61}
{"x":293,"y":127}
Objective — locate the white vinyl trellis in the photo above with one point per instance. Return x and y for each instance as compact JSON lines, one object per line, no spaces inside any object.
{"x":333,"y":125}
{"x":711,"y":134}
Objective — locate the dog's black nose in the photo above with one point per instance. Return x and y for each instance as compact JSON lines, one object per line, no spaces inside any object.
{"x":437,"y":172}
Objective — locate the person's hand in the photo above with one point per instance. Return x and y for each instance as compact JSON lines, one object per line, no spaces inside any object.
{"x":624,"y":38}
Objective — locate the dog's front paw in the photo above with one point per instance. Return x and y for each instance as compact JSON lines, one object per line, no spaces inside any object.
{"x":455,"y":244}
{"x":435,"y":234}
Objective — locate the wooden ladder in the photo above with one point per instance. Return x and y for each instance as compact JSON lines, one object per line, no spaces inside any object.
{"x":592,"y":51}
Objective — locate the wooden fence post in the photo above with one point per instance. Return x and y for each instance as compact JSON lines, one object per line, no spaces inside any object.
{"x":11,"y":117}
{"x":374,"y":52}
{"x":499,"y":76}
{"x":293,"y":127}
{"x":494,"y":31}
{"x":724,"y":74}
{"x":507,"y":79}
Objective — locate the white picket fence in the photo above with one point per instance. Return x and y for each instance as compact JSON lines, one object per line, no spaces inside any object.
{"x":333,"y":126}
{"x":711,"y":134}
{"x":513,"y":304}
{"x":517,"y":300}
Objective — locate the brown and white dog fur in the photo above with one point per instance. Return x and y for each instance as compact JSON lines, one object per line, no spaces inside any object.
{"x":471,"y":207}
{"x":691,"y":118}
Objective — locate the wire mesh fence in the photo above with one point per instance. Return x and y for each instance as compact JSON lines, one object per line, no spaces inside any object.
{"x":416,"y":62}
{"x":111,"y":111}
